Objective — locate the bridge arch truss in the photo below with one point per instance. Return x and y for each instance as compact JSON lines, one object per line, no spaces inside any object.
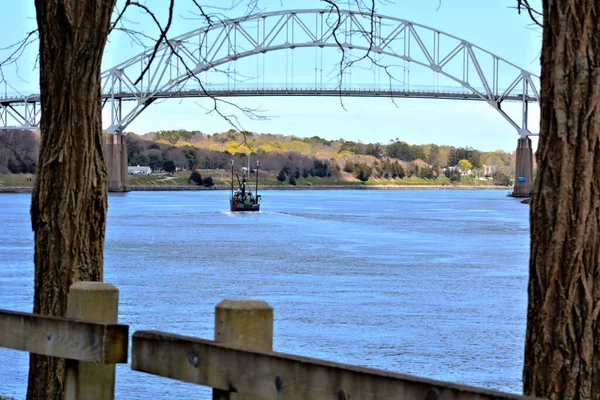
{"x":482,"y":75}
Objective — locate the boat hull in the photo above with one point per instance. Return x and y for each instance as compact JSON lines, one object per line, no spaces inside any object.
{"x":235,"y":206}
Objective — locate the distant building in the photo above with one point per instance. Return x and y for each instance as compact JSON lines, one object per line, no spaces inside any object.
{"x":139,"y":170}
{"x":462,"y":173}
{"x":489,"y":169}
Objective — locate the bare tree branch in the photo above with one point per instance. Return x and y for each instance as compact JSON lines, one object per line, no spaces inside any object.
{"x":345,"y":62}
{"x":163,"y":33}
{"x":533,"y":13}
{"x":231,"y":119}
{"x":205,"y":12}
{"x":17,"y":49}
{"x":335,"y":8}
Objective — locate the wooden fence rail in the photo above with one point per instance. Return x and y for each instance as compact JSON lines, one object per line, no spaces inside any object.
{"x":271,"y":375}
{"x":64,"y":337}
{"x":238,"y":364}
{"x":90,"y":339}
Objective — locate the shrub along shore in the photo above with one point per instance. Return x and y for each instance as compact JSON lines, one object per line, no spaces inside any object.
{"x":176,"y":187}
{"x":221,"y":180}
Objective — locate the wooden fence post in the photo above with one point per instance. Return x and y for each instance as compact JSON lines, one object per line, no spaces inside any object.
{"x":246,"y":323}
{"x":93,"y":302}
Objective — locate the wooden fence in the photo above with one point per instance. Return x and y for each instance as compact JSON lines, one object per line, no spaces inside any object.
{"x":238,"y":364}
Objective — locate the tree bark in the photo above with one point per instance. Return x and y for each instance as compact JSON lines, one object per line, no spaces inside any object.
{"x":69,"y":200}
{"x":562,"y":350}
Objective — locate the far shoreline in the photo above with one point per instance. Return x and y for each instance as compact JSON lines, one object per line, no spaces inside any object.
{"x":167,"y":188}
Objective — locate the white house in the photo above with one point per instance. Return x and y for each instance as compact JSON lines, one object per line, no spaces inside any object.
{"x":462,"y":173}
{"x":139,"y":170}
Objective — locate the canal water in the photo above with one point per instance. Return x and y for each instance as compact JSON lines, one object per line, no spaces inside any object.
{"x":424,"y":282}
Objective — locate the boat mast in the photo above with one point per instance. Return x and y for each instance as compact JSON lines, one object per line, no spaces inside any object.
{"x":231,"y":162}
{"x":257,"y":166}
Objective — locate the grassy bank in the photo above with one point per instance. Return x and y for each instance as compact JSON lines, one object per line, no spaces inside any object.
{"x":222,"y":179}
{"x":16,"y":180}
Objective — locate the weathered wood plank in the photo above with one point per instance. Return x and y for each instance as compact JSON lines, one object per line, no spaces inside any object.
{"x":64,"y":338}
{"x":271,"y":375}
{"x":243,"y":323}
{"x":92,"y":302}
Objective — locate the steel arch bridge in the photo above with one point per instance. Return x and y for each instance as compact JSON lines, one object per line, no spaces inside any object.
{"x":480,"y":74}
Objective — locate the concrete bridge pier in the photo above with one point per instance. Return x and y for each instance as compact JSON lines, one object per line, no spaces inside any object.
{"x":524,"y":168}
{"x":114,"y":146}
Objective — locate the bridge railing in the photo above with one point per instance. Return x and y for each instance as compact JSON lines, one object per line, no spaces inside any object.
{"x":238,"y":363}
{"x":218,"y":90}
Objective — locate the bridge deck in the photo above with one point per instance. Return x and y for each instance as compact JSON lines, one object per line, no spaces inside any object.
{"x":444,"y":95}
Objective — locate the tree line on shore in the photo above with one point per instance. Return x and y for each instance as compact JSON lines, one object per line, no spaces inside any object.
{"x":296,"y":157}
{"x":292,"y":156}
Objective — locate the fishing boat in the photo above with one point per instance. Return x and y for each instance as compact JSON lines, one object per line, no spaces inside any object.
{"x":242,"y":199}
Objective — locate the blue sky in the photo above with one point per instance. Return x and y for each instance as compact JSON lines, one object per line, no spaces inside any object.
{"x":491,"y":24}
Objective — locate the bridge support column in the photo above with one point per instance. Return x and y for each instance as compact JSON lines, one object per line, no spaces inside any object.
{"x":115,"y":154}
{"x":524,"y":168}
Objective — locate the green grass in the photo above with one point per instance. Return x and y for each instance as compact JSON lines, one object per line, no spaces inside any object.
{"x":269,"y":178}
{"x":473,"y":181}
{"x":441,"y":181}
{"x":316,"y":181}
{"x":8,"y":180}
{"x":159,"y":179}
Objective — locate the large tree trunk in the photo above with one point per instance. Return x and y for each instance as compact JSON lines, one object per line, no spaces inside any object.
{"x":69,"y":204}
{"x":562,"y":351}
